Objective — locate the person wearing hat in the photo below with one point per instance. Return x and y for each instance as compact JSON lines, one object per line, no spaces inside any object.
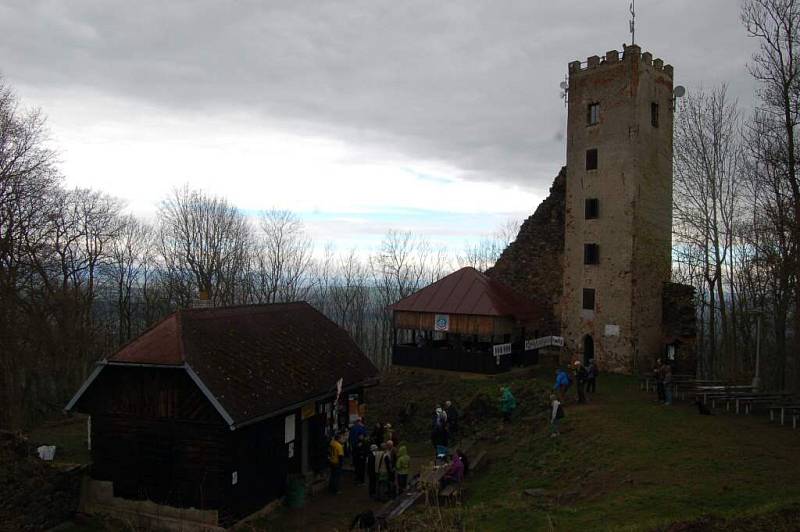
{"x":580,"y":380}
{"x":372,"y":476}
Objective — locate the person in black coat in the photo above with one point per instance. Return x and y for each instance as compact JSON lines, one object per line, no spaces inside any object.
{"x":372,"y":475}
{"x":452,"y":417}
{"x":360,"y":452}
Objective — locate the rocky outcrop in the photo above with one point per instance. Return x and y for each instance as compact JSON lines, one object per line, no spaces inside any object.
{"x":533,"y":263}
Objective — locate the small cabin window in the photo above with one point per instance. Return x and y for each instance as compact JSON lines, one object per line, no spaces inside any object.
{"x":591,"y":208}
{"x":593,"y":114}
{"x":591,"y":254}
{"x":591,"y":159}
{"x":588,"y":298}
{"x":654,"y":114}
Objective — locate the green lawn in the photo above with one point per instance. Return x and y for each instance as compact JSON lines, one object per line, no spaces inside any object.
{"x":624,"y":462}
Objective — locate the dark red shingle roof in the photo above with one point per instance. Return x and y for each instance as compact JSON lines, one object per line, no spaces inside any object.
{"x":255,"y":359}
{"x":468,"y":291}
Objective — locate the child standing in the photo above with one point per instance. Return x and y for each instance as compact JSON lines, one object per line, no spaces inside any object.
{"x":556,"y":414}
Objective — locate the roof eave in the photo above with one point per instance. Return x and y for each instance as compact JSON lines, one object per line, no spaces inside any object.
{"x":210,"y":396}
{"x":85,"y":386}
{"x":361,"y":384}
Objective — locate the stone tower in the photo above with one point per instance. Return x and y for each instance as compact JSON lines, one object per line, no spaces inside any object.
{"x":618,"y":208}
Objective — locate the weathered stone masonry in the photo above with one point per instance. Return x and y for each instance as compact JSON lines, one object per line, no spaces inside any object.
{"x":620,"y":108}
{"x":533,"y":263}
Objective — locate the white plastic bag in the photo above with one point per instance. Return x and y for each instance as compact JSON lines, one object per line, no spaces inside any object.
{"x":46,"y":452}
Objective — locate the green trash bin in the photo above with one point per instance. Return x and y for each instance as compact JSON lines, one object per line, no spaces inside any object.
{"x":295,"y":492}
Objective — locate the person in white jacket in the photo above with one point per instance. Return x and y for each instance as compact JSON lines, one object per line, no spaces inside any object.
{"x":556,"y":414}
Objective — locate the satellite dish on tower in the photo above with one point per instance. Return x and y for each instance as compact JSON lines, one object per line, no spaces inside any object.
{"x":679,"y":91}
{"x":563,"y":85}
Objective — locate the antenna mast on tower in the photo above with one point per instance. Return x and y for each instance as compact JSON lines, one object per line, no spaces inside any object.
{"x":632,"y":22}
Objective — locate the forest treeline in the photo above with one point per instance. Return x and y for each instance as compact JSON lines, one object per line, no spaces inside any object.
{"x":78,"y":277}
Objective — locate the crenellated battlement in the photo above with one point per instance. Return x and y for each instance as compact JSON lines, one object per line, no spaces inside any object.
{"x":630,"y":53}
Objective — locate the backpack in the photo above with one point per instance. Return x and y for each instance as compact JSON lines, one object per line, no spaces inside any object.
{"x":560,"y":412}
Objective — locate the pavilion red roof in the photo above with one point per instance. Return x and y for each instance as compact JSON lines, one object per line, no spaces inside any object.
{"x":468,"y":291}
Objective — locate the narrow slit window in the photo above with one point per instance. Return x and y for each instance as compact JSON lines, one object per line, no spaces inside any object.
{"x":591,"y":254}
{"x":591,"y":159}
{"x":588,"y":298}
{"x":654,"y":114}
{"x":593,"y":114}
{"x":591,"y":209}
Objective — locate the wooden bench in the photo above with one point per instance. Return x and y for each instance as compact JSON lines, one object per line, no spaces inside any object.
{"x":475,"y":464}
{"x":451,"y":493}
{"x":396,"y":507}
{"x":791,"y":408}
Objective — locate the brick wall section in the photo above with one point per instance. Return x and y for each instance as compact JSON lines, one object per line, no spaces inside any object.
{"x":532,"y":264}
{"x":680,"y":324}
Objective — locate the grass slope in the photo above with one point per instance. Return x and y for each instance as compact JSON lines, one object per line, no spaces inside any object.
{"x":624,"y":462}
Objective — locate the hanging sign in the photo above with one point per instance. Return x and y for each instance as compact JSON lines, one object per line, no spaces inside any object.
{"x":500,"y":350}
{"x":442,"y":322}
{"x":544,"y":341}
{"x":288,"y":429}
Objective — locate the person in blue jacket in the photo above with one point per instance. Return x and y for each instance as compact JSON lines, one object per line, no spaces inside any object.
{"x":562,"y":383}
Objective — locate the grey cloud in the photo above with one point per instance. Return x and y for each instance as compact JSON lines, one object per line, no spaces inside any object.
{"x":470,"y":83}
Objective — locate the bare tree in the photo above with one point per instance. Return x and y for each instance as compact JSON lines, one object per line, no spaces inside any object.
{"x":776,"y":65}
{"x":205,"y":244}
{"x":708,"y":172}
{"x":284,"y":260}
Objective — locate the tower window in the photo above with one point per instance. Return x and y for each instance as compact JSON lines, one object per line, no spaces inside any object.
{"x":588,"y":298}
{"x":591,"y":254}
{"x":591,"y":159}
{"x":593,"y":114}
{"x":654,"y":114}
{"x":591,"y":208}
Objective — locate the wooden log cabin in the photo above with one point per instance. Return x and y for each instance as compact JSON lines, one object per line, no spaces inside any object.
{"x":463,"y":322}
{"x":214,"y":408}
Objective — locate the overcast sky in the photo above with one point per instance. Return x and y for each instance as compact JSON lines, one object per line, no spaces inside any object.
{"x":443,"y":117}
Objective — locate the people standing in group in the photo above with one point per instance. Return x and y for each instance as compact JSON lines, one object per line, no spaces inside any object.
{"x":439,"y":436}
{"x":360,"y":452}
{"x":391,"y":434}
{"x":402,"y":468}
{"x":591,"y":379}
{"x":507,"y":403}
{"x":451,"y":412}
{"x":556,"y":414}
{"x":335,"y":458}
{"x":562,"y":383}
{"x":580,"y":381}
{"x":666,"y":373}
{"x":659,"y":376}
{"x":356,"y":430}
{"x":377,"y":437}
{"x":372,"y":470}
{"x":384,"y":469}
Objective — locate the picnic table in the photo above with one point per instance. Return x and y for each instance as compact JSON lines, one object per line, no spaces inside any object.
{"x":429,"y":481}
{"x":793,"y":408}
{"x":719,"y":391}
{"x":761,"y":398}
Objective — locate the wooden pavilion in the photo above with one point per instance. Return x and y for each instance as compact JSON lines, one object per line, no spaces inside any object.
{"x":464,"y":322}
{"x":213,"y":409}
